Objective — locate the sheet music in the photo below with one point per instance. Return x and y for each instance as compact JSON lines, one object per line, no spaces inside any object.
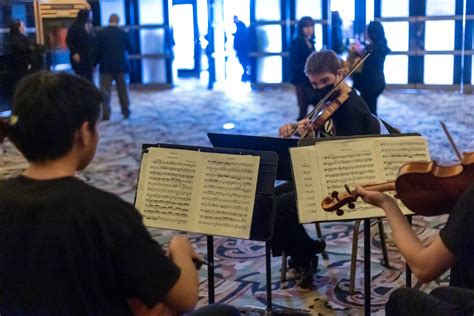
{"x":168,"y":191}
{"x":346,"y":162}
{"x":228,"y":194}
{"x":141,"y":183}
{"x":305,"y":184}
{"x":201,"y":192}
{"x":394,"y":152}
{"x":351,"y":161}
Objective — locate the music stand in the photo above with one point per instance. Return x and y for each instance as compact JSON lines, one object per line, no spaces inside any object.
{"x":367,"y":279}
{"x":264,"y":208}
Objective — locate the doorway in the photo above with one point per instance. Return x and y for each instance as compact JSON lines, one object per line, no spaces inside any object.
{"x":185,"y":34}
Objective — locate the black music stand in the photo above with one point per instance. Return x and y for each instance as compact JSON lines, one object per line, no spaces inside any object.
{"x":367,"y":280}
{"x":263,"y":214}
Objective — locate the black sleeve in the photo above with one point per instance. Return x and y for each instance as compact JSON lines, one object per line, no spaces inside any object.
{"x":71,"y":40}
{"x":459,"y":229}
{"x":141,"y":264}
{"x":20,"y":45}
{"x":97,"y":49}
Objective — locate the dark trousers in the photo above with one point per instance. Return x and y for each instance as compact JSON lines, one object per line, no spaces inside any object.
{"x":106,"y":86}
{"x":289,"y":235}
{"x":442,"y":301}
{"x":370,"y":97}
{"x":83,"y":70}
{"x":305,"y":95}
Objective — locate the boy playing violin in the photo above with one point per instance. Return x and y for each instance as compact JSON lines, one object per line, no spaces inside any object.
{"x":452,"y":248}
{"x":66,"y":247}
{"x":353,"y":117}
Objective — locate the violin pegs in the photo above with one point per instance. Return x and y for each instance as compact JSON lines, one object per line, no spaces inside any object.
{"x":351,"y":206}
{"x":339,"y":212}
{"x":334,"y":194}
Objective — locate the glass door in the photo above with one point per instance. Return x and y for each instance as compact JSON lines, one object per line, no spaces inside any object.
{"x":154,"y":41}
{"x":266,"y":33}
{"x":187,"y":48}
{"x":431,"y":41}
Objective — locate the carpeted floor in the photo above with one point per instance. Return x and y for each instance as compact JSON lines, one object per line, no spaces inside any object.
{"x":184,"y":116}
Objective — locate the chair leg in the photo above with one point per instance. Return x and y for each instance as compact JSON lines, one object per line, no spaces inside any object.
{"x":318,"y":230}
{"x":386,"y":262}
{"x":355,"y":241}
{"x":283,"y":267}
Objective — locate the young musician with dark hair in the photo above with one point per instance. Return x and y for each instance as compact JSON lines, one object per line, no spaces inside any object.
{"x":452,"y":249}
{"x":66,"y":247}
{"x":353,"y":117}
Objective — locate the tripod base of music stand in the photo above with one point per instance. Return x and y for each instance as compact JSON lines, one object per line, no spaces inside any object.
{"x":261,"y":311}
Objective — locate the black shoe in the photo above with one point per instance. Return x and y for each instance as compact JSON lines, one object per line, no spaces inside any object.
{"x":319,"y":246}
{"x":306,"y":275}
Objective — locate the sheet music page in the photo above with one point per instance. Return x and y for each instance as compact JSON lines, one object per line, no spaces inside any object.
{"x":348,"y":162}
{"x":304,"y":164}
{"x":141,"y":182}
{"x":229,"y":184}
{"x":394,"y":152}
{"x":169,"y":190}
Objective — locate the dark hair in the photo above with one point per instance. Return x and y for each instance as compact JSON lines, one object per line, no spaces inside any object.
{"x":83,"y":16}
{"x":376,"y":33}
{"x":47,"y":111}
{"x":305,"y":21}
{"x":322,"y":61}
{"x":15,"y":27}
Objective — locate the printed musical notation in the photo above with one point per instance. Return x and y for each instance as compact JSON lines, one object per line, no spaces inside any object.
{"x":228,"y":195}
{"x":327,"y":166}
{"x":394,"y":154}
{"x":169,"y":184}
{"x":196,"y":191}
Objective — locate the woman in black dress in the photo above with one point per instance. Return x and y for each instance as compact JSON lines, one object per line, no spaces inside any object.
{"x":370,"y":81}
{"x":302,"y":46}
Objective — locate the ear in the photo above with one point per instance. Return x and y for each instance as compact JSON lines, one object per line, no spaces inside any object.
{"x":84,"y":134}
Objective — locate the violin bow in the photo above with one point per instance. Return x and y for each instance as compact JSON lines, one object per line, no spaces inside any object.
{"x":319,"y":106}
{"x":451,"y":141}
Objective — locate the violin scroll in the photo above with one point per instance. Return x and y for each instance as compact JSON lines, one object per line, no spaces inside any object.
{"x":337,"y":200}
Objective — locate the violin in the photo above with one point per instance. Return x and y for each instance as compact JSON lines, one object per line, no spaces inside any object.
{"x":426,"y":188}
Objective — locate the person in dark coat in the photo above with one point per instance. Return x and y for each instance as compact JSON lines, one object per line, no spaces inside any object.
{"x":337,"y":43}
{"x":79,"y":41}
{"x":242,"y":47}
{"x":302,"y":46}
{"x":111,"y":53}
{"x":22,"y":53}
{"x":370,"y":81}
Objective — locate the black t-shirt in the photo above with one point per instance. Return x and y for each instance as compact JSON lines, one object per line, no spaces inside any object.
{"x":68,"y":248}
{"x":352,"y":118}
{"x":458,"y":236}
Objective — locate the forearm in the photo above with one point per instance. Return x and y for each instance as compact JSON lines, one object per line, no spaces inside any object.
{"x":183,"y":296}
{"x":405,"y":238}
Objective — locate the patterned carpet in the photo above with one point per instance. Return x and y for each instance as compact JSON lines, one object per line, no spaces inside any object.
{"x":184,"y":116}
